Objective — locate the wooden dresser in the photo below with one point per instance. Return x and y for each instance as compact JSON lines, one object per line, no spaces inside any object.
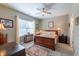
{"x":44,"y":41}
{"x":3,"y":39}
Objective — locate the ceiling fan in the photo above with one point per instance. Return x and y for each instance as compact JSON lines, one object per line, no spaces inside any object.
{"x":45,"y":10}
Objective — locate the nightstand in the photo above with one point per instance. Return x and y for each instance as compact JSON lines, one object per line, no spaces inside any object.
{"x":63,"y":39}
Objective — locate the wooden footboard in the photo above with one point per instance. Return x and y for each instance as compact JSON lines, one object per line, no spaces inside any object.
{"x":44,"y":41}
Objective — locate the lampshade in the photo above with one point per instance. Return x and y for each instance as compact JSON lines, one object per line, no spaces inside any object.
{"x":2,"y":27}
{"x":58,"y":28}
{"x":41,"y":30}
{"x":59,"y":31}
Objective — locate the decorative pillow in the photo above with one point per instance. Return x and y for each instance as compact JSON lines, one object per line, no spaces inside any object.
{"x":50,"y":34}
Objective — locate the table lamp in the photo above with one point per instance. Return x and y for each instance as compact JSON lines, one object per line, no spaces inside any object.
{"x":59,"y":31}
{"x":2,"y":27}
{"x":1,"y":30}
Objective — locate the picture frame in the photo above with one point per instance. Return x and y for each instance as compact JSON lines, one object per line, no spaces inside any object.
{"x":77,"y":21}
{"x":50,"y":24}
{"x":7,"y":22}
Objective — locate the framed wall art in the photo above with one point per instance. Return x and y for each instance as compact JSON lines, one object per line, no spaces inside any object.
{"x":7,"y":22}
{"x":50,"y":24}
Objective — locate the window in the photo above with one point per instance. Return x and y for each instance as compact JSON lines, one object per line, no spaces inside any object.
{"x":26,"y":27}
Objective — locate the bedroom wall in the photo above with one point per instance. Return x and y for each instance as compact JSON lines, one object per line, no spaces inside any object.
{"x":8,"y":13}
{"x":38,"y":24}
{"x":75,"y":30}
{"x":59,"y":22}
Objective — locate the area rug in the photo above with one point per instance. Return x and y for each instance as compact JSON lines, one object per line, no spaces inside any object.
{"x":36,"y":51}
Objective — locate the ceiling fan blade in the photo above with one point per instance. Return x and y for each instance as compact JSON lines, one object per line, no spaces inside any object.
{"x":38,"y":9}
{"x":38,"y":13}
{"x":49,"y":13}
{"x":48,"y":5}
{"x":41,"y":10}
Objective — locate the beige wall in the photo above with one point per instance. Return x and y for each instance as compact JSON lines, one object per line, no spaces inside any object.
{"x":75,"y":30}
{"x":10,"y":14}
{"x":59,"y":22}
{"x":38,"y":24}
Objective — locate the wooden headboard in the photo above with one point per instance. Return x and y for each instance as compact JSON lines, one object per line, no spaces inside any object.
{"x":56,"y":31}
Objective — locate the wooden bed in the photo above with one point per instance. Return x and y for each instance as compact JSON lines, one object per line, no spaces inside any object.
{"x":47,"y":40}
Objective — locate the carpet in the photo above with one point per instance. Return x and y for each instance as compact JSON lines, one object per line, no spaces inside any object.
{"x":36,"y":51}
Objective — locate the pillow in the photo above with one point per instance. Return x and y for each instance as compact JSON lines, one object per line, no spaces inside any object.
{"x":52,"y":33}
{"x":49,"y":33}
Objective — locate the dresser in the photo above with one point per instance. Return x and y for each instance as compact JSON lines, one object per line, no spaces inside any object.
{"x":3,"y":39}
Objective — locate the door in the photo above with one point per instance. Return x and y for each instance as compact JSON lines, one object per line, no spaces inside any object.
{"x":76,"y":39}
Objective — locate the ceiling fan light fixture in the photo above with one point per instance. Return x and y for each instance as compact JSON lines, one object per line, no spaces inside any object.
{"x":43,"y":13}
{"x":45,"y":10}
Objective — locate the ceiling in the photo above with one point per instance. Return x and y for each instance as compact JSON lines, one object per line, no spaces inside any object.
{"x":57,"y":9}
